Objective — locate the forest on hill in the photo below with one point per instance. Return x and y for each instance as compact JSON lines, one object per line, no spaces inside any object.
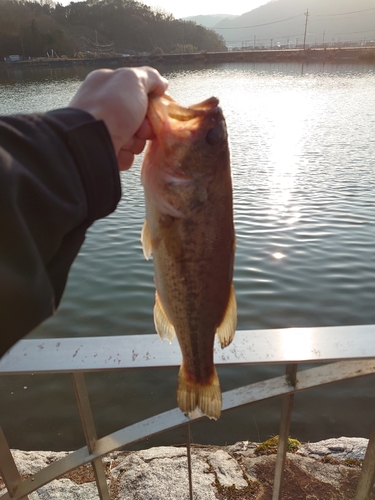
{"x":97,"y":27}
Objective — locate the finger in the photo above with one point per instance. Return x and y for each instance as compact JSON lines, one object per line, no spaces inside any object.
{"x":138,"y":146}
{"x":135,"y":145}
{"x":145,"y":131}
{"x":153,"y":81}
{"x":125,"y":159}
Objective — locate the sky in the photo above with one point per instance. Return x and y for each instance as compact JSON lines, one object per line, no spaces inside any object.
{"x":198,"y":7}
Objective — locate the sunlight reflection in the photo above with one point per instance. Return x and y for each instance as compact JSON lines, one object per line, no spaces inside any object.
{"x":286,"y":143}
{"x":297,"y":343}
{"x":278,"y":255}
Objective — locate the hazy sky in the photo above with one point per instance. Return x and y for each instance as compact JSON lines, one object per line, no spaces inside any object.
{"x":197,"y":7}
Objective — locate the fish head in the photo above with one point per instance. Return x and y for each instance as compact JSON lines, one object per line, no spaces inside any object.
{"x":189,"y":150}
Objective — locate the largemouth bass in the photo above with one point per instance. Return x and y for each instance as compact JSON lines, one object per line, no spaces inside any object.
{"x":190,"y":233}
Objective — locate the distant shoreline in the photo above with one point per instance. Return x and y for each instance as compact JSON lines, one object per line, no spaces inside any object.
{"x":320,"y":55}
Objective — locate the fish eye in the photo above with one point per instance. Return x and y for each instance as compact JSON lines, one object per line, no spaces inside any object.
{"x":214,"y":136}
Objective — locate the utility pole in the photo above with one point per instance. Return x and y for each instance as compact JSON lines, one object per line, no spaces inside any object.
{"x":324,"y":34}
{"x":304,"y":37}
{"x":23,"y":50}
{"x":183,"y":37}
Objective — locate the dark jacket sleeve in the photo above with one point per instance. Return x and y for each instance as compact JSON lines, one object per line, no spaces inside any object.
{"x":58,"y":174}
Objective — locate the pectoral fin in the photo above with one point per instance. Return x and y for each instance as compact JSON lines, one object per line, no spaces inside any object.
{"x":227,"y":328}
{"x":146,"y":241}
{"x":163,"y":326}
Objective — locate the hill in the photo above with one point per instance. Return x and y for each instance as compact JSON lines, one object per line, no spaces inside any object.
{"x":97,"y":28}
{"x":209,"y":20}
{"x":283,"y":22}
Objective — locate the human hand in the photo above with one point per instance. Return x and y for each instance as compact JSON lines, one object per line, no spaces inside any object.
{"x":120,"y":98}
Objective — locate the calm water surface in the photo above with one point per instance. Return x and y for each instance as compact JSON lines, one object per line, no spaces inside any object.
{"x":303,"y":151}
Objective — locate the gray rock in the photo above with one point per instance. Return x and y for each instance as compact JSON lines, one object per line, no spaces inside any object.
{"x":30,"y":462}
{"x":165,"y":477}
{"x":162,"y":473}
{"x":330,"y":475}
{"x":161,"y":452}
{"x":227,"y":470}
{"x":65,"y":489}
{"x":342,"y":448}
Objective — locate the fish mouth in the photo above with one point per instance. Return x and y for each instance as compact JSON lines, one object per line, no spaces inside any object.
{"x":165,"y":112}
{"x":178,"y":112}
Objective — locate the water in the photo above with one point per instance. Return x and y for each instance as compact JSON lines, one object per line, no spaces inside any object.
{"x":303,"y":147}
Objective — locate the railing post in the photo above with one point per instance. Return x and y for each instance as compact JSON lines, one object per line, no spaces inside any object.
{"x":89,"y":430}
{"x":8,"y":469}
{"x":188,"y":454}
{"x":286,"y":415}
{"x":366,"y":479}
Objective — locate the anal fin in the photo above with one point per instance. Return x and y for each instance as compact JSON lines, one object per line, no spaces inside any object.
{"x":163,"y":326}
{"x":227,"y":328}
{"x":193,"y":395}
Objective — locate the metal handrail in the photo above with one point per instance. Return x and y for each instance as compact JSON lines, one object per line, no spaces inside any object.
{"x":353,"y":344}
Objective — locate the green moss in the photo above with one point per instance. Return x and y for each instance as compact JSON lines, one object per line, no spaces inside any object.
{"x":233,"y":493}
{"x":293,"y":445}
{"x":270,"y":446}
{"x":352,"y":462}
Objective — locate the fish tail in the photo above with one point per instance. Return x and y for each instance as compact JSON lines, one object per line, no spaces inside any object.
{"x":206,"y":397}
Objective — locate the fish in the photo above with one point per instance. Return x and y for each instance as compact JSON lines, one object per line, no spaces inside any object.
{"x":189,"y":231}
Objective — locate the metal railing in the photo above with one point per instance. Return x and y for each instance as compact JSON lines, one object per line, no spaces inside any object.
{"x":348,"y":351}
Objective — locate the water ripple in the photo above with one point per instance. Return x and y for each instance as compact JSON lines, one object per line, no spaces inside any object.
{"x":303,"y":149}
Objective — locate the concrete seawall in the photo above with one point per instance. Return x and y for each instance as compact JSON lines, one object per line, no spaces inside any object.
{"x":329,"y":55}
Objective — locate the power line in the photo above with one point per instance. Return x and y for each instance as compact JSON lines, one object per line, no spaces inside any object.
{"x":258,"y":25}
{"x":293,"y":17}
{"x":267,"y":38}
{"x":307,"y":15}
{"x":91,"y":46}
{"x":353,"y":32}
{"x":345,"y":13}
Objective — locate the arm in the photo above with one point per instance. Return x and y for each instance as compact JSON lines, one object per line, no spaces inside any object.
{"x":58,"y":174}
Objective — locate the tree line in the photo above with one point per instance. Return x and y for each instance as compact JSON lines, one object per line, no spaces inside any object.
{"x":33,"y":29}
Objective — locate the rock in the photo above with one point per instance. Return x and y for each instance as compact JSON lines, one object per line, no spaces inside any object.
{"x":303,"y":480}
{"x":65,"y":489}
{"x":164,"y":475}
{"x":343,"y":448}
{"x":227,"y":470}
{"x":30,"y":462}
{"x":317,"y":471}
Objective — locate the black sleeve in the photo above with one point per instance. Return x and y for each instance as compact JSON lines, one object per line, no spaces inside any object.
{"x":58,"y":174}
